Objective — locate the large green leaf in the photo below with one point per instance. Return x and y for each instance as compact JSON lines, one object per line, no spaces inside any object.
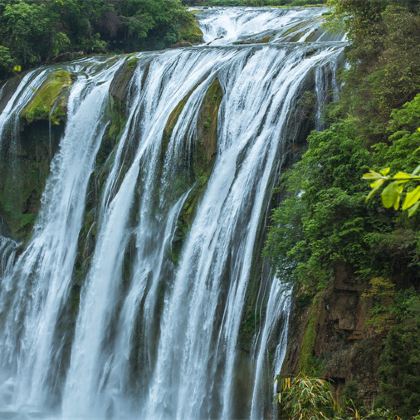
{"x":411,"y":198}
{"x":391,"y":195}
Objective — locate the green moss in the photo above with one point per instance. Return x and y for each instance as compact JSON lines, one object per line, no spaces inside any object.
{"x":170,"y":124}
{"x":18,"y":222}
{"x":203,"y":155}
{"x":120,"y":84}
{"x":132,"y":62}
{"x":104,"y":158}
{"x":308,"y":364}
{"x":191,"y":32}
{"x":118,"y":120}
{"x":23,"y":173}
{"x":50,"y":101}
{"x":206,"y":146}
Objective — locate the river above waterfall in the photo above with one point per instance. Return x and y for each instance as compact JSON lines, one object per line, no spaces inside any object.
{"x":142,"y":291}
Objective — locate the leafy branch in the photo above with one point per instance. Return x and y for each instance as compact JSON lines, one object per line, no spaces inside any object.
{"x":396,"y":189}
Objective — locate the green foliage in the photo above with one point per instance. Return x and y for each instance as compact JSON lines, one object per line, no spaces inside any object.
{"x":402,"y":189}
{"x":324,"y":222}
{"x":310,"y":398}
{"x":381,"y":294}
{"x":393,"y":193}
{"x":400,"y":365}
{"x":403,"y":307}
{"x":406,"y":119}
{"x":385,"y":70}
{"x":305,"y":398}
{"x":26,"y":29}
{"x":37,"y":31}
{"x":6,"y":60}
{"x":323,"y":219}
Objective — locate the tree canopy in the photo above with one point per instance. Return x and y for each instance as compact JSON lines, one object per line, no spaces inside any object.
{"x":37,"y":31}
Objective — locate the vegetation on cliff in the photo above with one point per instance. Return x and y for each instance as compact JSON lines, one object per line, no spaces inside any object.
{"x":38,"y":31}
{"x":324,"y":221}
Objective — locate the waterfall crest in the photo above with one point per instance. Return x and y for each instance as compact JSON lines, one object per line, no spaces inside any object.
{"x":152,"y":300}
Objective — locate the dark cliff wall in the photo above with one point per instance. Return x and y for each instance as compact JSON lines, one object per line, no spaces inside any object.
{"x":27,"y":149}
{"x":330,"y":338}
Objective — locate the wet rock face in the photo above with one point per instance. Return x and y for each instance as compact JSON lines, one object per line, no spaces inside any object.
{"x":330,"y":338}
{"x":7,"y":89}
{"x":206,"y":146}
{"x":32,"y":142}
{"x":29,"y":146}
{"x":201,"y":157}
{"x":121,"y":83}
{"x":24,"y":174}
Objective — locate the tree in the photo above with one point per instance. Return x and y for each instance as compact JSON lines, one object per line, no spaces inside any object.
{"x":39,"y":31}
{"x":6,"y":61}
{"x":25,"y":29}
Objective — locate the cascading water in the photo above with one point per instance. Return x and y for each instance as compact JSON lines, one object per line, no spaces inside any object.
{"x":173,"y":283}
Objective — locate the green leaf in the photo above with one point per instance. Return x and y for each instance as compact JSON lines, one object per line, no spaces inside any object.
{"x":417,"y":170}
{"x":401,"y":175}
{"x":413,"y":209}
{"x":400,"y":190}
{"x":391,"y":194}
{"x":411,"y":198}
{"x":377,"y":184}
{"x":372,"y":175}
{"x":385,"y":171}
{"x":375,"y":187}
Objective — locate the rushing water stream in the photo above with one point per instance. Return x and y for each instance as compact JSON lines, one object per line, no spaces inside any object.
{"x":154,"y":336}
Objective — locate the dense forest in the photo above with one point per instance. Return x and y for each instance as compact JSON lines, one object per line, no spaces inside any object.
{"x":325,"y":225}
{"x":33,"y":32}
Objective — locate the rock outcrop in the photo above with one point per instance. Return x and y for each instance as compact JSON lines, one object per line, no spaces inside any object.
{"x":330,"y":338}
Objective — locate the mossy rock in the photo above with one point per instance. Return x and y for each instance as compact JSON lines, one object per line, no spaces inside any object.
{"x":23,"y":173}
{"x":264,"y":40}
{"x":308,"y":363}
{"x":191,"y":32}
{"x":120,"y":85}
{"x":170,"y":124}
{"x":50,"y":101}
{"x":26,"y":165}
{"x":206,"y":145}
{"x":132,"y":62}
{"x":202,"y":159}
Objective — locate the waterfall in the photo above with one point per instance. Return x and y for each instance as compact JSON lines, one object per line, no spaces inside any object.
{"x":152,"y":300}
